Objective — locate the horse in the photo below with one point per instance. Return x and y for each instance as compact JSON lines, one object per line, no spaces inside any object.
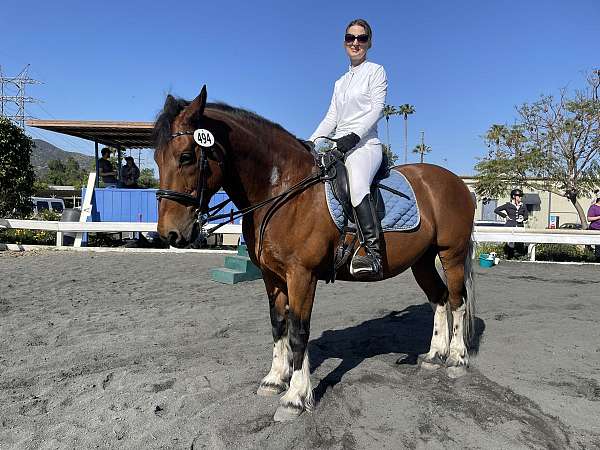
{"x":293,"y":240}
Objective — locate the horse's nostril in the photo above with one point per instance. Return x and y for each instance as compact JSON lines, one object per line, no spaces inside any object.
{"x":173,"y":237}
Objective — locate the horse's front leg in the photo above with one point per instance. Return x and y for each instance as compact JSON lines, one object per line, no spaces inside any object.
{"x":278,"y":377}
{"x":299,"y":396}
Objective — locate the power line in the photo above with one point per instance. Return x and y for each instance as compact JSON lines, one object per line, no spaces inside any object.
{"x":12,"y":91}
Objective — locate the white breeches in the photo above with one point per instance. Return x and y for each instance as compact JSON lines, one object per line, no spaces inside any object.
{"x":362,"y":165}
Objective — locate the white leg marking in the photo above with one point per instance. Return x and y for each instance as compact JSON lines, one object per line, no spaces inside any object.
{"x":458,"y":350}
{"x":440,"y":338}
{"x":277,"y":379}
{"x":300,"y":394}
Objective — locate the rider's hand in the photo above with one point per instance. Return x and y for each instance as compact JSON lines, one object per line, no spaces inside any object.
{"x":348,"y":142}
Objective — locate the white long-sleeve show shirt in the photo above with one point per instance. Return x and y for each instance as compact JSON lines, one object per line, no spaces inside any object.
{"x":357,"y":104}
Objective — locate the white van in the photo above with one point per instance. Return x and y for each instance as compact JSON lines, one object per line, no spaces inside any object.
{"x":41,"y":203}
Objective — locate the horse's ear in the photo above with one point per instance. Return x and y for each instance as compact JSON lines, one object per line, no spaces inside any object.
{"x":170,"y":103}
{"x":195,"y":109}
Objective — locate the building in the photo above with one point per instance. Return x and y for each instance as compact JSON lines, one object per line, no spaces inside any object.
{"x":543,"y":207}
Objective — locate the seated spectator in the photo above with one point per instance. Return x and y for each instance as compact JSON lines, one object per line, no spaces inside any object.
{"x":130,"y":173}
{"x":106,"y":170}
{"x":593,"y":216}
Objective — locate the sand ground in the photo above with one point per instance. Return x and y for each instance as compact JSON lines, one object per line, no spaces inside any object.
{"x":144,"y":351}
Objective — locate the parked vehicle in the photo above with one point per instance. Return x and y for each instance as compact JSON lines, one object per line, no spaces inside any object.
{"x":570,"y":226}
{"x":48,"y":203}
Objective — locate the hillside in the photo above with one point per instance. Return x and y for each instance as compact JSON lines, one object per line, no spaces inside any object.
{"x":44,"y":152}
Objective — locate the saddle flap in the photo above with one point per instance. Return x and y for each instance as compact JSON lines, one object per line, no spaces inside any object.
{"x":341,"y":188}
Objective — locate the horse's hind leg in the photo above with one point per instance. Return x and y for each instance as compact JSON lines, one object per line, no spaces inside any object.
{"x":299,"y":396}
{"x":454,"y":262}
{"x":429,"y":280}
{"x":278,"y":377}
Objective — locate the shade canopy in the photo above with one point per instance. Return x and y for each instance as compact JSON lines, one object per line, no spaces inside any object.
{"x":113,"y":134}
{"x":531,"y":198}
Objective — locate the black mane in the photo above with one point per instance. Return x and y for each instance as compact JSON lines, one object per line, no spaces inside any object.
{"x":172,"y":108}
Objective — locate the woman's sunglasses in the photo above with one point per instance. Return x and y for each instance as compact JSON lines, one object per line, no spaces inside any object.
{"x":362,"y":38}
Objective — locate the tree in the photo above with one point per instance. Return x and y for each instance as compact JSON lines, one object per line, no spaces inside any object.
{"x":406,"y":110}
{"x":422,"y":149}
{"x":554,"y":146}
{"x":147,"y":179}
{"x":389,"y":111}
{"x":16,"y":172}
{"x":67,"y":173}
{"x":495,"y":135}
{"x":391,"y":156}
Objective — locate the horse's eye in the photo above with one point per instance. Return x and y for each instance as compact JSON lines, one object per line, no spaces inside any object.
{"x":186,"y":159}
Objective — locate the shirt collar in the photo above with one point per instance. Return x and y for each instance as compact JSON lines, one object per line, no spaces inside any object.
{"x":356,"y":68}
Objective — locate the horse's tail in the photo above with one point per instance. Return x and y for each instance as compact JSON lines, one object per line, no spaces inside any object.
{"x":469,"y":320}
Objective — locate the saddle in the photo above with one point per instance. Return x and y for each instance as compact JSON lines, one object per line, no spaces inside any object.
{"x":332,"y":166}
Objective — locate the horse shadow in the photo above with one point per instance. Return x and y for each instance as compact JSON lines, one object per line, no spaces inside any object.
{"x":406,"y":333}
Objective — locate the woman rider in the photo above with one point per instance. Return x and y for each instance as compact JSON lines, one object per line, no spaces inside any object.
{"x":356,"y":107}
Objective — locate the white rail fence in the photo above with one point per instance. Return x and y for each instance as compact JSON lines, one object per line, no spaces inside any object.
{"x":231,"y":230}
{"x":534,"y":236}
{"x":481,"y":234}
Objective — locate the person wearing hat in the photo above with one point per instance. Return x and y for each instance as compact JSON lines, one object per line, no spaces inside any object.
{"x":516,"y":214}
{"x":130,"y":173}
{"x":106,"y":170}
{"x":593,"y":216}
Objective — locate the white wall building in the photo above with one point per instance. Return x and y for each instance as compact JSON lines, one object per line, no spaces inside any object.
{"x":540,"y":204}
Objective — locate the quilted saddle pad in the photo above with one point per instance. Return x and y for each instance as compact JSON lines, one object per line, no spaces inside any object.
{"x":401,"y":212}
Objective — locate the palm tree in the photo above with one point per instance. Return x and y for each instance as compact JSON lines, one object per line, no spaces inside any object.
{"x":388,"y":111}
{"x":405,"y":110}
{"x":422,"y":149}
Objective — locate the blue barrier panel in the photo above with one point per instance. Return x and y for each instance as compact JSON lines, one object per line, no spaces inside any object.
{"x":123,"y":205}
{"x":136,"y":205}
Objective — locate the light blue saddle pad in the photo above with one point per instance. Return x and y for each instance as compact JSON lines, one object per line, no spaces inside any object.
{"x":401,"y":212}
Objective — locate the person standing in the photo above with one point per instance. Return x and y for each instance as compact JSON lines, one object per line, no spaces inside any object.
{"x":130,"y":173}
{"x":106,"y":170}
{"x":593,"y":217}
{"x":356,"y":107}
{"x":516,"y":214}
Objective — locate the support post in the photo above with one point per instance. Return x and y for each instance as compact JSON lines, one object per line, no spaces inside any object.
{"x":531,"y":252}
{"x":86,"y":206}
{"x":119,"y":162}
{"x":96,"y":154}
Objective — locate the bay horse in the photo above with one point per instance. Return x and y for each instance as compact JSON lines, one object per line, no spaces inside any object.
{"x":254,"y":160}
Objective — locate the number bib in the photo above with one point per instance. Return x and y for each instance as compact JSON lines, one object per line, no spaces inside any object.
{"x":204,"y":138}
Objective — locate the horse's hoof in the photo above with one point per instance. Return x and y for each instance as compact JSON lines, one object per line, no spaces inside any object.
{"x":270,"y":390}
{"x":431,"y":363}
{"x":287,"y":413}
{"x":456,"y":371}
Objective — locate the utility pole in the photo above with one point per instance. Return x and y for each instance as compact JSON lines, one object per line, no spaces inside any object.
{"x":422,"y":145}
{"x":12,"y":92}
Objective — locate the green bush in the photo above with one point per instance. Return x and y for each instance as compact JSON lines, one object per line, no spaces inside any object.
{"x":103,"y":240}
{"x":29,"y":237}
{"x":544,"y":252}
{"x":489,"y":247}
{"x":564,"y":252}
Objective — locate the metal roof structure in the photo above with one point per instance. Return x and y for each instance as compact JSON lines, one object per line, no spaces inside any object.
{"x":111,"y":133}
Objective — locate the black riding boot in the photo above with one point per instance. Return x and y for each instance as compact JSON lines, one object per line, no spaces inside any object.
{"x":369,"y":265}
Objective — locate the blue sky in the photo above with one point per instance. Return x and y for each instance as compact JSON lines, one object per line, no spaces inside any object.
{"x":464,"y":65}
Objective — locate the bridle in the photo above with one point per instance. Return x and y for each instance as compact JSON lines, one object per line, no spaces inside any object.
{"x":202,"y":215}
